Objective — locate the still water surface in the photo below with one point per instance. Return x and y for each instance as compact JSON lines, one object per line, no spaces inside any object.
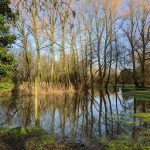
{"x":82,"y":118}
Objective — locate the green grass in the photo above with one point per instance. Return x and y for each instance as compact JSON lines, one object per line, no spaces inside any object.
{"x":140,"y":94}
{"x":31,"y":139}
{"x":126,"y":141}
{"x":131,"y":92}
{"x":6,"y":86}
{"x":24,"y":138}
{"x":126,"y":144}
{"x":144,"y":117}
{"x":126,"y":85}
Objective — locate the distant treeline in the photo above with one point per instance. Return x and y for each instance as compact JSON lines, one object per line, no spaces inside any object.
{"x":78,"y":42}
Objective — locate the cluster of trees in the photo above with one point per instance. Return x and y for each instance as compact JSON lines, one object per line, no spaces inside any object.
{"x":82,"y":42}
{"x":7,"y":61}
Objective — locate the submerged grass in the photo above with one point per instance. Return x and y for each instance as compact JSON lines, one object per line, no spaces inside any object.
{"x":138,"y":140}
{"x":126,"y":142}
{"x":144,"y":117}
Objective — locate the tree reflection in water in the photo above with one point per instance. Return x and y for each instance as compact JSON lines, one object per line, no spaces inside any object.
{"x":79,"y":117}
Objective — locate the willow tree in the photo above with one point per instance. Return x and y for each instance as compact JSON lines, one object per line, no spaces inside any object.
{"x":137,"y":32}
{"x":104,"y":21}
{"x":130,"y":33}
{"x":113,"y":17}
{"x":73,"y":63}
{"x":24,"y":41}
{"x":142,"y":39}
{"x":63,"y":18}
{"x":65,"y":11}
{"x":49,"y":26}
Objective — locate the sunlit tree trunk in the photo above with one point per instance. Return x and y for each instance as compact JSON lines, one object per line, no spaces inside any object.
{"x":36,"y":107}
{"x":34,"y":13}
{"x":52,"y":45}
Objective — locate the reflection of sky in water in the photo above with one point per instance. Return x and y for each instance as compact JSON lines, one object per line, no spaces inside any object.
{"x":74,"y":118}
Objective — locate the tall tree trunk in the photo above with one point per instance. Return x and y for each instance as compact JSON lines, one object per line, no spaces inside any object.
{"x":35,"y":34}
{"x":52,"y":45}
{"x":132,"y":43}
{"x":144,"y":51}
{"x":116,"y":62}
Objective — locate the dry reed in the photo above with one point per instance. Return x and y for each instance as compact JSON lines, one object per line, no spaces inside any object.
{"x":44,"y":89}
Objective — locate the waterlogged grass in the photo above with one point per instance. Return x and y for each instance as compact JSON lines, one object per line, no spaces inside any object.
{"x":144,"y":117}
{"x":120,"y":118}
{"x":140,"y":94}
{"x":129,"y":86}
{"x":126,"y":86}
{"x":126,"y":142}
{"x":138,"y":140}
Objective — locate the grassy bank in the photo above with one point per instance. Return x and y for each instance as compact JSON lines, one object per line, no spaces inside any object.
{"x":25,"y":138}
{"x":36,"y":139}
{"x":31,"y":139}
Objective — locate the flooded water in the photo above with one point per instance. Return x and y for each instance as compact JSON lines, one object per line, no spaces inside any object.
{"x":81,"y":118}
